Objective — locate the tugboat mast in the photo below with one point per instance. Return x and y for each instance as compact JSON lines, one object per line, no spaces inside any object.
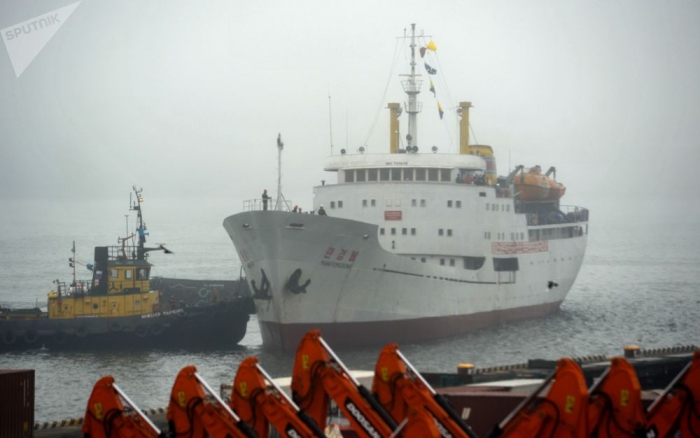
{"x":412,"y":87}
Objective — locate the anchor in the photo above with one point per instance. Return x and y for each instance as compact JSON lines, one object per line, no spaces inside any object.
{"x":293,"y":283}
{"x":264,"y":292}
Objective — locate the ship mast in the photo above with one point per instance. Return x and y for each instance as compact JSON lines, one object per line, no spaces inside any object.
{"x":281,"y":202}
{"x":411,"y":86}
{"x":141,"y":229}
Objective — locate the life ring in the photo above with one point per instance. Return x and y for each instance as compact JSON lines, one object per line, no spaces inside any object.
{"x":157,"y":329}
{"x":141,"y":331}
{"x":9,"y":338}
{"x":81,"y":332}
{"x":115,"y":327}
{"x":31,"y":337}
{"x":204,"y":292}
{"x":201,"y":303}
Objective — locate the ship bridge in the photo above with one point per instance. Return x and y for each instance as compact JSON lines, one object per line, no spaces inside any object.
{"x":402,"y":167}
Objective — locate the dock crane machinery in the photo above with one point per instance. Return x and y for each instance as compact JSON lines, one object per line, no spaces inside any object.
{"x":615,"y":403}
{"x":399,"y":387}
{"x":559,"y":414}
{"x":677,"y":409}
{"x":106,"y":417}
{"x":193,"y":414}
{"x":260,"y":403}
{"x":319,"y":376}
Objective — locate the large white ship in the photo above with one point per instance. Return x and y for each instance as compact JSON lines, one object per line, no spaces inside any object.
{"x":416,"y":245}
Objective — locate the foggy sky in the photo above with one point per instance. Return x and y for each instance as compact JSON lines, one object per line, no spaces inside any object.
{"x":186,"y":98}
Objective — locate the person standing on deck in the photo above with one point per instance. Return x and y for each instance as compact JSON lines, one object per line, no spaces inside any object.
{"x":265,"y":198}
{"x":322,"y":211}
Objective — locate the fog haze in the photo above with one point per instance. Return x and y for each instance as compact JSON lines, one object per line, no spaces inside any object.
{"x":186,"y":98}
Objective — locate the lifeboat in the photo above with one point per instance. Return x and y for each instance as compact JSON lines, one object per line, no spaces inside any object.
{"x":556,"y":190}
{"x":532,"y":185}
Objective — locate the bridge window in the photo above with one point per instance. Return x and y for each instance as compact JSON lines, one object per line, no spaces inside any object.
{"x":422,"y":259}
{"x":442,"y":262}
{"x":420,"y":174}
{"x":361,"y":175}
{"x":372,"y":174}
{"x":452,"y":262}
{"x":384,"y":174}
{"x":408,"y":174}
{"x":445,"y":175}
{"x":349,"y":176}
{"x":396,"y":174}
{"x":432,"y":174}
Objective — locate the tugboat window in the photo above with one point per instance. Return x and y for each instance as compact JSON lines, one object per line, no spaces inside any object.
{"x":420,"y":174}
{"x":142,"y":274}
{"x":396,"y":174}
{"x":349,"y":176}
{"x":372,"y":174}
{"x":384,"y":174}
{"x":113,"y":273}
{"x":432,"y":174}
{"x":361,"y":175}
{"x":128,"y":274}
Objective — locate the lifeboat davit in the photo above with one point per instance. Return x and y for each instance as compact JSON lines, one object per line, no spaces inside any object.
{"x":532,"y":185}
{"x":556,"y":190}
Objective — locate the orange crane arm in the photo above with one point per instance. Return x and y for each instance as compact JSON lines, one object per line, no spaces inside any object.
{"x":319,"y":376}
{"x":399,"y":387}
{"x":259,"y":402}
{"x":615,"y":403}
{"x":561,"y":414}
{"x":678,"y":408}
{"x":105,"y":416}
{"x":191,"y":414}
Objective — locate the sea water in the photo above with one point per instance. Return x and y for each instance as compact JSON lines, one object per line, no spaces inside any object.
{"x":639,"y":284}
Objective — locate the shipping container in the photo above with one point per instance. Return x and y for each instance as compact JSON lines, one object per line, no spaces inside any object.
{"x":16,"y":403}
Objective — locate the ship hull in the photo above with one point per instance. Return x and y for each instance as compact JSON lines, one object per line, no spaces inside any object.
{"x":332,"y":274}
{"x":217,"y":325}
